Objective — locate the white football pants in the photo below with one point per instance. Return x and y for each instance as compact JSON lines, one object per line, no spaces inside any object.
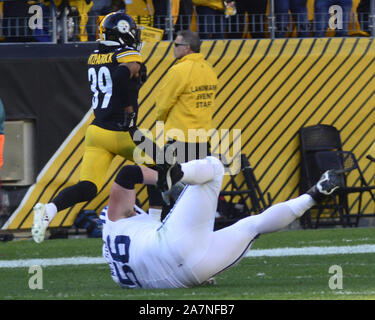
{"x":190,"y":223}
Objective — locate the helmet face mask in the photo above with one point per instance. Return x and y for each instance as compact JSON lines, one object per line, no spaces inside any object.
{"x":118,"y":28}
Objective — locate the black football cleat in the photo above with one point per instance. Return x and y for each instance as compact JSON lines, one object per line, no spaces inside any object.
{"x":326,"y":186}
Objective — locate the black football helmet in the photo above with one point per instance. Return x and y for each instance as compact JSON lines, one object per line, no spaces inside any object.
{"x":118,"y":27}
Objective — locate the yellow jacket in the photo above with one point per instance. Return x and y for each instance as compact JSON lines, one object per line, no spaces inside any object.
{"x":186,"y":98}
{"x":214,"y":4}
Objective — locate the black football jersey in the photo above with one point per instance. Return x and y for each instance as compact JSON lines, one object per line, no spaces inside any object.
{"x":110,"y":93}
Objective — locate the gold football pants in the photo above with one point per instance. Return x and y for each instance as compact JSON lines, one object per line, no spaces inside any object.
{"x":101,"y":146}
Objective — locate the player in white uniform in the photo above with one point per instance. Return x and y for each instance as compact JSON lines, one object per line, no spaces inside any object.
{"x":183,"y":250}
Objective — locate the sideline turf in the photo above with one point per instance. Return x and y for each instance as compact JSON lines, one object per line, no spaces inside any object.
{"x":296,"y":277}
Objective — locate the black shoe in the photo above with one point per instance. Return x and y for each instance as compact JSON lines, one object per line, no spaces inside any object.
{"x":327,"y":185}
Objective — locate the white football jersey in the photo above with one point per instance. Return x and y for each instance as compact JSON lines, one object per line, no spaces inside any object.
{"x":139,"y":255}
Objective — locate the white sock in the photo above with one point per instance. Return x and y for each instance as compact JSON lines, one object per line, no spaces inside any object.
{"x":197,"y":171}
{"x":280,"y":215}
{"x":155,"y":213}
{"x":51,"y":211}
{"x":301,"y":204}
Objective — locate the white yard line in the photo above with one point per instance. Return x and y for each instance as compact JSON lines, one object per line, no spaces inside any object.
{"x":277,"y":252}
{"x":311,"y":251}
{"x":51,"y":262}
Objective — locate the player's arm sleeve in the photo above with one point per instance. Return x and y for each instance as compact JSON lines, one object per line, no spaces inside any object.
{"x":126,"y":87}
{"x":130,"y":103}
{"x":170,"y":90}
{"x":130,"y":96}
{"x":121,"y":77}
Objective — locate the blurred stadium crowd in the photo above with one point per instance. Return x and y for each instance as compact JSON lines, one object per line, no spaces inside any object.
{"x":77,"y":20}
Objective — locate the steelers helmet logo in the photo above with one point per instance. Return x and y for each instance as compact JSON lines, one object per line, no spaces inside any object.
{"x":123,"y":26}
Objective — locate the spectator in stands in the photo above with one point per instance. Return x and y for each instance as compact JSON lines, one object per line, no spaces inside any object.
{"x":83,"y":8}
{"x":62,"y":8}
{"x":298,"y":9}
{"x":100,"y":8}
{"x":119,"y":5}
{"x":160,"y":13}
{"x":76,"y":13}
{"x":323,"y":16}
{"x":45,"y":34}
{"x":1,"y":9}
{"x":2,"y":136}
{"x":185,"y":12}
{"x":15,"y":23}
{"x":256,"y":12}
{"x":210,"y":18}
{"x":1,"y":19}
{"x":363,"y":11}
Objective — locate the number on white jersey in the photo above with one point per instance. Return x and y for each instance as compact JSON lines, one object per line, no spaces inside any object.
{"x":119,"y":250}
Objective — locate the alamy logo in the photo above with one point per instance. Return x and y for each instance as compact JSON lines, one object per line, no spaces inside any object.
{"x":336,"y":19}
{"x":226,"y":145}
{"x":36,"y":280}
{"x":335,"y":281}
{"x":36,"y":20}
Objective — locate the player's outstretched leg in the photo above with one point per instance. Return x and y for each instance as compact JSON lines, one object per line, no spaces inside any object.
{"x":44,"y":213}
{"x":230,"y":244}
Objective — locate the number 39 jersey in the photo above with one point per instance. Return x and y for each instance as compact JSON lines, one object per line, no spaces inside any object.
{"x":139,"y":255}
{"x":111,"y":92}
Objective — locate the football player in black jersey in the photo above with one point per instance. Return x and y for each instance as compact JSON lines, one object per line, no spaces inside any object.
{"x":115,"y":73}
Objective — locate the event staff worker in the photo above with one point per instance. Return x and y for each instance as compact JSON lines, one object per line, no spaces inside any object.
{"x":186,"y":99}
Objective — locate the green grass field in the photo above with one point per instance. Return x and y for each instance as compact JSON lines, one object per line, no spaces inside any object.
{"x":264,"y":278}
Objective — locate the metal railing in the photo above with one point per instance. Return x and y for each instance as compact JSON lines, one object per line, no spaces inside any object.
{"x":63,"y":27}
{"x":30,"y":29}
